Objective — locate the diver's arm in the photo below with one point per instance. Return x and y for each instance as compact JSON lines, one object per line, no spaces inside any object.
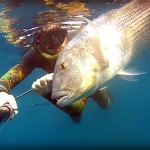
{"x":10,"y":79}
{"x":16,"y":74}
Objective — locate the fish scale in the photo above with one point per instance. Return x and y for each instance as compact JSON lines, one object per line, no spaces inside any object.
{"x":133,"y":22}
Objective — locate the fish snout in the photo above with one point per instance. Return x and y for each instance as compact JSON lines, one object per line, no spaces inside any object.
{"x":57,"y":93}
{"x":62,"y":96}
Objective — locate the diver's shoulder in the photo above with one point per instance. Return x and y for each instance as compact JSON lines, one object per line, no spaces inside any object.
{"x":31,"y":58}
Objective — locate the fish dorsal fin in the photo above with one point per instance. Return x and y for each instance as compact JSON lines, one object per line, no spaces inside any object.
{"x":103,"y":61}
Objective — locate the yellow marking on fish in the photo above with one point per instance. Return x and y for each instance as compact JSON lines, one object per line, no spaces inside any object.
{"x":90,"y":73}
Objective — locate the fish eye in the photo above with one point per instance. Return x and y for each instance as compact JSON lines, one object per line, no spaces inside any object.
{"x":63,"y":66}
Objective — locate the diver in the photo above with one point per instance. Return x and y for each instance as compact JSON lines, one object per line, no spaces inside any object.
{"x":43,"y":54}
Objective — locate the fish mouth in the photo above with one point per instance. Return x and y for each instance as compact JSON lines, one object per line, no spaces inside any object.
{"x":63,"y":98}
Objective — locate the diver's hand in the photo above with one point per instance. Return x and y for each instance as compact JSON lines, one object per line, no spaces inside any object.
{"x":43,"y":85}
{"x":6,"y":98}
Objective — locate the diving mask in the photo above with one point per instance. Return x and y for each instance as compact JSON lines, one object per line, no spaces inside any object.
{"x":49,"y":43}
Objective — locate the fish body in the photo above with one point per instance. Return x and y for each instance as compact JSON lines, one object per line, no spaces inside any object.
{"x":100,"y":51}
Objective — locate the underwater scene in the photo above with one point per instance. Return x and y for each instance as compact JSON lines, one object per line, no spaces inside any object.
{"x":117,"y":117}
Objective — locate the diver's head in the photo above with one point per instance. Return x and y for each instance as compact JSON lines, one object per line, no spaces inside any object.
{"x":49,"y":42}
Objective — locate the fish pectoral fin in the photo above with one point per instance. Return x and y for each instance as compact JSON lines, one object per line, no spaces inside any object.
{"x":102,"y":97}
{"x":130,"y":74}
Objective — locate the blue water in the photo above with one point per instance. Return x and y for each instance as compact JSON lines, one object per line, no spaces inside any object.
{"x":126,"y":123}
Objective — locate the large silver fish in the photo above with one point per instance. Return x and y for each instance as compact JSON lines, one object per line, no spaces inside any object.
{"x":100,"y":51}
